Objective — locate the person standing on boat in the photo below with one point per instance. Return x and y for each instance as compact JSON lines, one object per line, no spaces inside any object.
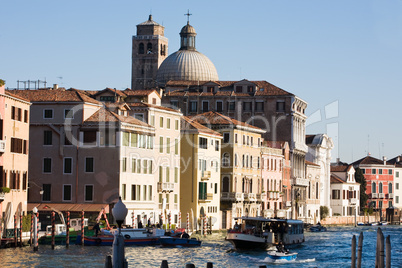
{"x":96,"y":229}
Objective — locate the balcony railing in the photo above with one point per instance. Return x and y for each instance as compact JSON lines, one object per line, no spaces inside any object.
{"x":165,"y":187}
{"x":205,"y":197}
{"x":261,"y":197}
{"x":231,"y":196}
{"x":390,"y":195}
{"x":206,"y":174}
{"x":381,"y":195}
{"x":2,"y":146}
{"x":374,"y":195}
{"x":250,"y":197}
{"x":288,"y":203}
{"x":353,"y":201}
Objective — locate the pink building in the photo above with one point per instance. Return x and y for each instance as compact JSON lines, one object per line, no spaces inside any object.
{"x":14,"y":140}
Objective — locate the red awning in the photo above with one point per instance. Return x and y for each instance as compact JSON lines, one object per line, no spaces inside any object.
{"x":72,"y":207}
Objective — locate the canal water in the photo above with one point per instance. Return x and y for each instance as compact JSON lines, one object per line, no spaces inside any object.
{"x":325,"y":249}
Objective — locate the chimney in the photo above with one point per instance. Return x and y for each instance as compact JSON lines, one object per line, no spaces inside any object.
{"x":55,"y":86}
{"x":338,"y":160}
{"x":398,"y":159}
{"x":384,"y":158}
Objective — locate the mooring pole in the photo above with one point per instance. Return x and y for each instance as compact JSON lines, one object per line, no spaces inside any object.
{"x":68,"y":230}
{"x":360,"y":251}
{"x":353,"y":263}
{"x":388,"y":252}
{"x":53,"y":229}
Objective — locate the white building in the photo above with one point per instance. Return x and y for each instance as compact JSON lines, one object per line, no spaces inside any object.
{"x":345,"y":191}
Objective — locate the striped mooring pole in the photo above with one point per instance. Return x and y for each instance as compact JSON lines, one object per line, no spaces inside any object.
{"x":31,"y":234}
{"x":36,"y":246}
{"x":21,"y":229}
{"x":132,"y":219}
{"x":82,"y":227}
{"x":205,"y":225}
{"x":188,"y":223}
{"x":53,"y":229}
{"x":15,"y":230}
{"x":68,"y":230}
{"x":179,"y":219}
{"x":170,"y":220}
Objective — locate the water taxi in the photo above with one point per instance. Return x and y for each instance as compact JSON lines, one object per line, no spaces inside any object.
{"x":263,"y":233}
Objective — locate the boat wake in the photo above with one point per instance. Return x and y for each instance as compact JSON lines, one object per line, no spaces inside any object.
{"x":269,"y":260}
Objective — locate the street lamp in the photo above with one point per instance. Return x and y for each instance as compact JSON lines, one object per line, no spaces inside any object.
{"x":119,"y":213}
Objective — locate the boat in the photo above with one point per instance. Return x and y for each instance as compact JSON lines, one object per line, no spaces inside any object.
{"x":282,"y":256}
{"x":132,"y":237}
{"x":172,"y":241}
{"x":317,"y":228}
{"x":263,"y":233}
{"x":383,"y":223}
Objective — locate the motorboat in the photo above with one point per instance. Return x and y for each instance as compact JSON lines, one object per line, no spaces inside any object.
{"x":282,"y":256}
{"x":132,"y":237}
{"x":172,"y":241}
{"x":263,"y":233}
{"x":317,"y":228}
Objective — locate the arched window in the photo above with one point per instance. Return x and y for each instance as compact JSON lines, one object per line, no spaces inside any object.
{"x":247,"y":161}
{"x":163,"y":50}
{"x":225,"y":184}
{"x":380,"y":188}
{"x":236,"y":164}
{"x":251,"y":186}
{"x":316,"y":190}
{"x":225,"y":160}
{"x":373,"y":188}
{"x":243,"y":185}
{"x":149,"y":48}
{"x":268,"y":185}
{"x":141,"y":48}
{"x":390,"y":188}
{"x":309,"y":191}
{"x":251,"y":161}
{"x":258,"y":162}
{"x":244,"y":163}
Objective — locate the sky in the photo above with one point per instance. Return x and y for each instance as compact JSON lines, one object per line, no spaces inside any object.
{"x":344,"y":58}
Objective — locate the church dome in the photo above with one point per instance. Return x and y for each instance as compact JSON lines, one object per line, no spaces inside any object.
{"x":188,"y":65}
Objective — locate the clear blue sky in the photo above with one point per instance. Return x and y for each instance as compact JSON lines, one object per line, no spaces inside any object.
{"x":343,"y":57}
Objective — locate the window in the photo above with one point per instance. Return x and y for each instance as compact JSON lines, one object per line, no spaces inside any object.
{"x":150,"y":166}
{"x":67,"y":192}
{"x":336,"y":194}
{"x":68,"y":165}
{"x":216,"y":188}
{"x":390,"y":188}
{"x":47,"y":190}
{"x":203,"y":143}
{"x":176,"y":174}
{"x":397,"y":199}
{"x":48,"y":113}
{"x":68,"y":114}
{"x":247,"y":106}
{"x":176,"y":124}
{"x":174,"y":104}
{"x":161,"y":121}
{"x":160,"y":174}
{"x":107,"y":98}
{"x":90,"y":137}
{"x":259,"y":106}
{"x":239,"y":89}
{"x":219,"y":106}
{"x":89,"y":192}
{"x":124,"y":164}
{"x":123,"y":191}
{"x":389,"y":171}
{"x":145,"y":166}
{"x":397,"y":174}
{"x":202,"y":191}
{"x":144,"y":192}
{"x":210,"y":89}
{"x":168,"y":145}
{"x":216,"y":145}
{"x":373,"y":188}
{"x":24,"y":181}
{"x":226,"y":137}
{"x":380,"y":171}
{"x":138,"y":165}
{"x":126,"y":139}
{"x":250,"y":89}
{"x":18,"y":146}
{"x":396,"y":186}
{"x":141,"y":48}
{"x":225,"y":160}
{"x":176,"y":146}
{"x":47,"y":137}
{"x":280,"y":106}
{"x":363,"y":171}
{"x":193,"y":106}
{"x":373,"y":171}
{"x":231,"y":105}
{"x":47,"y":165}
{"x":150,"y":142}
{"x":150,"y":192}
{"x":167,"y":174}
{"x":168,"y":123}
{"x":205,"y":106}
{"x":152,"y":123}
{"x":139,"y":117}
{"x":26,"y":116}
{"x":89,"y":164}
{"x":107,"y":136}
{"x":161,"y":144}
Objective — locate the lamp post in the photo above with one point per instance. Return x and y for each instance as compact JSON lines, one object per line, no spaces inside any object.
{"x":35,"y":229}
{"x":119,"y":213}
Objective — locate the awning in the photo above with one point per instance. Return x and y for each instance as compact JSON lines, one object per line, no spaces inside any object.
{"x":72,"y":207}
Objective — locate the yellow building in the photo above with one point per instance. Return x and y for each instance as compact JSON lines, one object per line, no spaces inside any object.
{"x":200,"y":174}
{"x":241,"y":183}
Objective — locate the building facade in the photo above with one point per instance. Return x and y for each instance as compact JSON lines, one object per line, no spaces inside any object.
{"x":14,"y":150}
{"x":312,"y":209}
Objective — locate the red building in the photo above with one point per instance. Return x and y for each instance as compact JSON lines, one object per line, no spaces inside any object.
{"x":379,"y":177}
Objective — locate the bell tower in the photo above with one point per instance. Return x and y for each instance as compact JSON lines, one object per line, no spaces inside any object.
{"x":149,"y":50}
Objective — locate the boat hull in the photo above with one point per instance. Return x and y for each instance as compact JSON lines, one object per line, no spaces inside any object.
{"x":181,"y":242}
{"x":108,"y":241}
{"x":282,"y":256}
{"x":246,"y":242}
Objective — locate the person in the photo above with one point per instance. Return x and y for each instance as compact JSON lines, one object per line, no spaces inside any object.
{"x":185,"y":235}
{"x":236,"y":226}
{"x":280,"y":247}
{"x":96,"y":229}
{"x":140,"y":224}
{"x":149,"y":222}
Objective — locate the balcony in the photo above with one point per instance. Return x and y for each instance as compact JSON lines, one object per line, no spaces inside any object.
{"x":390,"y":196}
{"x":353,"y":201}
{"x":205,"y":197}
{"x":374,"y":195}
{"x":232,"y":196}
{"x":206,"y":175}
{"x":381,"y":195}
{"x":251,"y":197}
{"x":2,"y":146}
{"x":165,"y":187}
{"x":2,"y":197}
{"x":288,"y":204}
{"x":261,"y":197}
{"x":301,"y":182}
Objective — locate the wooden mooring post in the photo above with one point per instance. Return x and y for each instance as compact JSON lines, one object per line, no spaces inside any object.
{"x":388,"y":252}
{"x":353,"y":264}
{"x":68,"y":230}
{"x":360,"y":250}
{"x":53,"y":229}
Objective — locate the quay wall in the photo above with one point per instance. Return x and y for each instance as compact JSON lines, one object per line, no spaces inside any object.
{"x":347,"y":220}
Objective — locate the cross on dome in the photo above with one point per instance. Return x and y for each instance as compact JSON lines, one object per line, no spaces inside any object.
{"x":188,"y":16}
